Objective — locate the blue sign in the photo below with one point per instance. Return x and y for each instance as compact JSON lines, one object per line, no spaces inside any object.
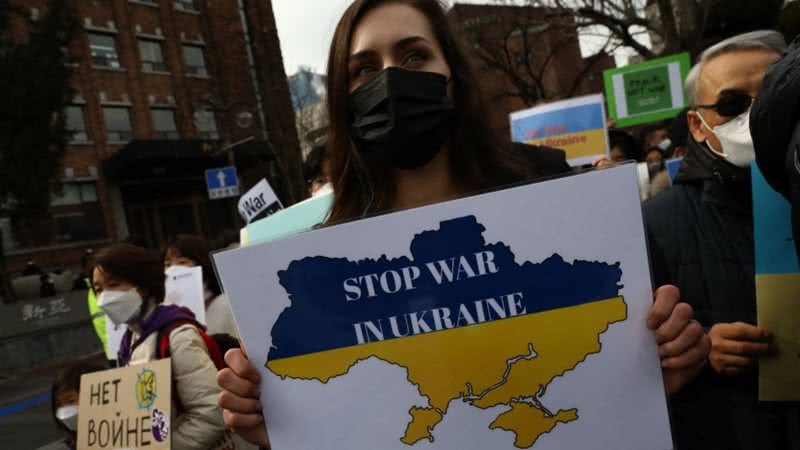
{"x":222,"y":182}
{"x":672,"y":167}
{"x":772,"y":226}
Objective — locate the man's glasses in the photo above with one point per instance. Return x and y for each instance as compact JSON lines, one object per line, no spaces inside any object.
{"x":731,"y":103}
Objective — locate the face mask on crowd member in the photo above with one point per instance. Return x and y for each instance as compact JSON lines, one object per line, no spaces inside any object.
{"x":734,"y":137}
{"x":65,"y":397}
{"x":401,"y":117}
{"x":68,"y":415}
{"x":724,"y":90}
{"x":119,"y":299}
{"x":120,"y":306}
{"x":127,"y":282}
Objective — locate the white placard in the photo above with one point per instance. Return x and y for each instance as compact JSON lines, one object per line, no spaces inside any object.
{"x":259,"y":202}
{"x":185,"y":288}
{"x":513,"y":319}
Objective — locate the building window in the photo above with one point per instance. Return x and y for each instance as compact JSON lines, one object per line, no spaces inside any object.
{"x":75,"y":124}
{"x":195,"y":60}
{"x":103,"y":49}
{"x":75,"y":194}
{"x":186,"y":5}
{"x":206,"y":124}
{"x":164,"y":126}
{"x":118,"y":124}
{"x":84,"y":225}
{"x":152,"y":56}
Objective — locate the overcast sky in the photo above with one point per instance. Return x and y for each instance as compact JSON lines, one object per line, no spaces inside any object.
{"x":305,"y":29}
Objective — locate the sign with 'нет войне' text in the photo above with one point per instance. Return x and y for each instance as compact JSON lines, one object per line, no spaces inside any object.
{"x":126,"y":408}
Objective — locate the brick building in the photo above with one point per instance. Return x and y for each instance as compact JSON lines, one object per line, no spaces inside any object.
{"x":165,"y":89}
{"x":536,"y":47}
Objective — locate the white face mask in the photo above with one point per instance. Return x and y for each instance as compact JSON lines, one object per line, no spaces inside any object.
{"x":665,"y":144}
{"x":737,"y":143}
{"x":120,"y":306}
{"x":68,"y":415}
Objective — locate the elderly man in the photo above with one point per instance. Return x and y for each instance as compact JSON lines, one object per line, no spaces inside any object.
{"x":701,"y":239}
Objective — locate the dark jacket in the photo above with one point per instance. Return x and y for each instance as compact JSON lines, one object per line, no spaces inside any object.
{"x":700,"y":238}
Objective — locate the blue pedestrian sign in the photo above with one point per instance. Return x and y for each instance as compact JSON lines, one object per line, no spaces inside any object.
{"x":222,"y":182}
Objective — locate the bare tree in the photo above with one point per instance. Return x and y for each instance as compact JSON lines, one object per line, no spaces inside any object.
{"x":535,"y":49}
{"x":672,"y":25}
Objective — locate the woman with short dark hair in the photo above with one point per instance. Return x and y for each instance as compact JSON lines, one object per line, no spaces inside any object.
{"x":129,"y":283}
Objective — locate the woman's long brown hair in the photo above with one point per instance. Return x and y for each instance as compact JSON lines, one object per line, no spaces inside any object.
{"x":476,"y":160}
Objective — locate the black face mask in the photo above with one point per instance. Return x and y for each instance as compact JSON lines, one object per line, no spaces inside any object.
{"x":401,"y":117}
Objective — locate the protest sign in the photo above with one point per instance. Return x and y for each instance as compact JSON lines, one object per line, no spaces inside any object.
{"x":126,"y":408}
{"x":184,"y":287}
{"x":470,"y":324}
{"x":577,"y":126}
{"x":646,"y":92}
{"x":259,"y":202}
{"x":300,"y":217}
{"x":673,"y":165}
{"x":777,"y":291}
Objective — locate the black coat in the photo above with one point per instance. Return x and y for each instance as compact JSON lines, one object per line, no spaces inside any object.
{"x":700,"y":238}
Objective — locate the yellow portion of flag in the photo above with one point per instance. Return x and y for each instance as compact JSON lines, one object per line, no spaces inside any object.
{"x":577,"y":145}
{"x":778,"y":298}
{"x":488,"y":364}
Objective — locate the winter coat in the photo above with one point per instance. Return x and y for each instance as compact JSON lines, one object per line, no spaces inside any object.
{"x":219,"y":317}
{"x":197,"y":419}
{"x":700,"y":238}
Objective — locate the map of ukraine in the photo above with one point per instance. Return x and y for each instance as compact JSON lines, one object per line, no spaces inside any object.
{"x":476,"y":326}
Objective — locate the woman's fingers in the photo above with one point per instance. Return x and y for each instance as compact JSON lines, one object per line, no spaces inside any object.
{"x":233,"y":402}
{"x":228,"y":380}
{"x":236,"y":359}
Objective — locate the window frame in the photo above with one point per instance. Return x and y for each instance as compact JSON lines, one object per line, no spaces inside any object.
{"x":103,"y":63}
{"x":207,"y":133}
{"x":123,"y":135}
{"x":75,"y":135}
{"x":194,"y":70}
{"x":154,"y":66}
{"x":165,"y":134}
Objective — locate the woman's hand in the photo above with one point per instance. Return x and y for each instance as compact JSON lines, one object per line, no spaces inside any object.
{"x":682,"y":343}
{"x":240,"y":398}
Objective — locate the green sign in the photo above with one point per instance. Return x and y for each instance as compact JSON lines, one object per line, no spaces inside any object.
{"x":646,"y":92}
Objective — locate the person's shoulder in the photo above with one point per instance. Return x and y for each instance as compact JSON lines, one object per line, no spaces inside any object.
{"x":544,"y":161}
{"x":671,"y":208}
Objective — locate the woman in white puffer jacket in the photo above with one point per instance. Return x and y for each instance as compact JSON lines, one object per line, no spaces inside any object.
{"x":129,"y":283}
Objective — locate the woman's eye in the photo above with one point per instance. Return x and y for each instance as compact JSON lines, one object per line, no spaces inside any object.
{"x":413,"y":59}
{"x":363,"y":71}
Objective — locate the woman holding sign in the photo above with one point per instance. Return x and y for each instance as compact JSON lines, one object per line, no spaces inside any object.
{"x":129,"y":283}
{"x":408,"y":129}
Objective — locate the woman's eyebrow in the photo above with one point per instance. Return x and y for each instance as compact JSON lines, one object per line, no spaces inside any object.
{"x":405,"y":42}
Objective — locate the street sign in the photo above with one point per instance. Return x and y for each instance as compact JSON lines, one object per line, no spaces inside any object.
{"x":647,"y":92}
{"x":222,"y":182}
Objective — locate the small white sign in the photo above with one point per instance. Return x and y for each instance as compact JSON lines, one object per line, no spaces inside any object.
{"x":185,"y":288}
{"x":259,"y":202}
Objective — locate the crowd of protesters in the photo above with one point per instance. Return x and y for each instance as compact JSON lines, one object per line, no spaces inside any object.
{"x":388,"y":152}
